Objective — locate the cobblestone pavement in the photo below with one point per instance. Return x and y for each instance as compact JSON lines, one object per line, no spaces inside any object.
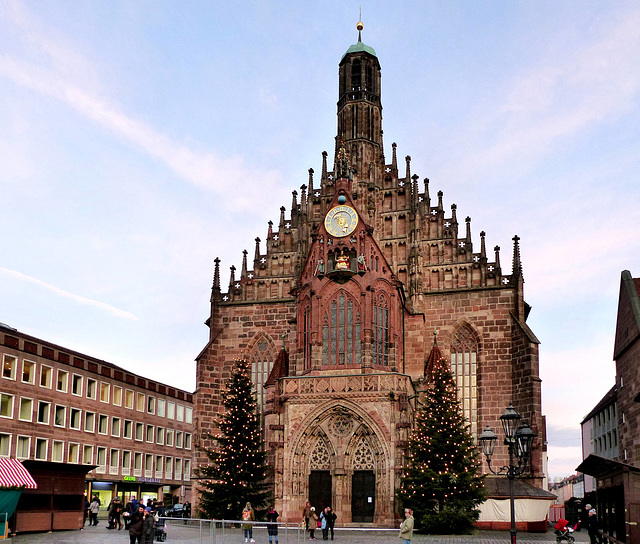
{"x":196,"y":532}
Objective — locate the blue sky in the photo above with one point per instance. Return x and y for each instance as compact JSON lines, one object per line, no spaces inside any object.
{"x":140,"y":140}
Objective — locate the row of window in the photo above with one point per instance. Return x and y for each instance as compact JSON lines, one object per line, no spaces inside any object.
{"x":46,"y":413}
{"x":105,"y":392}
{"x":606,"y":443}
{"x":606,"y":416}
{"x":112,"y":460}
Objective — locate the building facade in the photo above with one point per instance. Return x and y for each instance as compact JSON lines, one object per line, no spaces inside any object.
{"x":62,"y":407}
{"x":614,"y":461}
{"x":600,"y":432}
{"x":355,"y":281}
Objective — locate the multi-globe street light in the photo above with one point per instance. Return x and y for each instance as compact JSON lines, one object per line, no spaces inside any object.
{"x":519,"y":438}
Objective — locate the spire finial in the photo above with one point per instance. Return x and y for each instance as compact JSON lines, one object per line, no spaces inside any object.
{"x":360,"y":26}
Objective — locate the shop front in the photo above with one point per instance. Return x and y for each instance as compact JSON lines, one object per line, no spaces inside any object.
{"x":132,"y":487}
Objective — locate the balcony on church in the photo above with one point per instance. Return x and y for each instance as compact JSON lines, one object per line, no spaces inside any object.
{"x":342,"y":265}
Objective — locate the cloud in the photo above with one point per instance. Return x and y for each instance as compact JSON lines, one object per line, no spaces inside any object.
{"x":77,"y":298}
{"x":563,"y":460}
{"x":563,"y":96}
{"x":205,"y":170}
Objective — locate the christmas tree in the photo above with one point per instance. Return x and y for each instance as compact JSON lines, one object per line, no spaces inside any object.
{"x":236,"y":471}
{"x":441,"y":482}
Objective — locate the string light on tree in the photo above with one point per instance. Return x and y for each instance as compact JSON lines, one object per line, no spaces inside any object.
{"x":236,"y":471}
{"x":442,"y":483}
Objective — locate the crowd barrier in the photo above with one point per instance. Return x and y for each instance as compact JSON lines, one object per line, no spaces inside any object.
{"x":224,"y":531}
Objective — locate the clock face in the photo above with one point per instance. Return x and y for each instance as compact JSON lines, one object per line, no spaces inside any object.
{"x":341,"y":221}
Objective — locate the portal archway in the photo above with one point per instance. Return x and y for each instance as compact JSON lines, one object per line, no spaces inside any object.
{"x":341,"y":448}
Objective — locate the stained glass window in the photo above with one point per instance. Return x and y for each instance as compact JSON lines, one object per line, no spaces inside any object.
{"x":381,"y":331}
{"x":341,"y":332}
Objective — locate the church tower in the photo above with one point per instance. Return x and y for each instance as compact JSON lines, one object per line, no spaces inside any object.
{"x":353,"y":282}
{"x":360,"y":109}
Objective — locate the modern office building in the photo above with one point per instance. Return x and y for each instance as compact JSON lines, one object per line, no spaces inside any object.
{"x":59,"y":406}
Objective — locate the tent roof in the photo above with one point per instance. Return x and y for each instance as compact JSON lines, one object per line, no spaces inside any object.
{"x":13,"y":474}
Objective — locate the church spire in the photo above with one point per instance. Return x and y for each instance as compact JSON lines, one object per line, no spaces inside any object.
{"x":216,"y":275}
{"x":516,"y":269}
{"x":360,"y":109}
{"x":243,"y":273}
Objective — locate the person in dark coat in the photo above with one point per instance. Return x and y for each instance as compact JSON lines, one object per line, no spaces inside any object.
{"x":115,"y":510}
{"x":592,"y":527}
{"x":129,"y":510}
{"x":86,"y":511}
{"x":324,"y":523}
{"x":331,"y":520}
{"x":148,"y":526}
{"x":186,"y":511}
{"x":272,"y":518}
{"x":136,"y":526}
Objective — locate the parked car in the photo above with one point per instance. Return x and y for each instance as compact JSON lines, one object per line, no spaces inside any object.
{"x":175,"y":511}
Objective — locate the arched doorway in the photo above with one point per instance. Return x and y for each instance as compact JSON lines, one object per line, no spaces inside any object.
{"x":339,"y":461}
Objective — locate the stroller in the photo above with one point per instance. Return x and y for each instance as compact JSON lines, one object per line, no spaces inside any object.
{"x":160,"y":532}
{"x":563,"y":531}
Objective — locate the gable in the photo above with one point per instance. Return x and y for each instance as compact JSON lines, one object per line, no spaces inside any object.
{"x":628,"y":317}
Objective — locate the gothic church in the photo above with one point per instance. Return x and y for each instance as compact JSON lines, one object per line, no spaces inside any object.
{"x":338,"y":317}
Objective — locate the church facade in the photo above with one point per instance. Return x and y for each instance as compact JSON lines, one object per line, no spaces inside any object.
{"x":338,"y":315}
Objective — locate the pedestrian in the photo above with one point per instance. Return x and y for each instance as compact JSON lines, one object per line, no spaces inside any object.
{"x":331,"y":520}
{"x":305,"y":515}
{"x":94,"y":508}
{"x":313,"y":523}
{"x":272,"y":528}
{"x":136,"y":525}
{"x":592,"y":527}
{"x":406,"y":527}
{"x":148,"y":526}
{"x":186,"y":511}
{"x":129,"y":510}
{"x":115,"y":510}
{"x":324,"y":524}
{"x":248,"y":515}
{"x":86,"y":511}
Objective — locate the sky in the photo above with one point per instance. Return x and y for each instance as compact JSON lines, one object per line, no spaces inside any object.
{"x":141,"y":140}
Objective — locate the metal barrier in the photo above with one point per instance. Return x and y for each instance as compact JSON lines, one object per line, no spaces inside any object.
{"x":223,"y":531}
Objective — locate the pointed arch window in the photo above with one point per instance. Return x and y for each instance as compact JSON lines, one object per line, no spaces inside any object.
{"x":381,"y":331}
{"x":464,"y":366}
{"x":341,"y":330}
{"x":306,"y":337}
{"x":261,"y":366}
{"x":356,"y":75}
{"x":369,"y":78}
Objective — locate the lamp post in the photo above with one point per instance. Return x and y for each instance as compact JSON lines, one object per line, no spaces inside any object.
{"x":519,"y":438}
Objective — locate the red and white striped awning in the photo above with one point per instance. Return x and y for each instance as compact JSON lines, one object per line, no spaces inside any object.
{"x":13,"y":474}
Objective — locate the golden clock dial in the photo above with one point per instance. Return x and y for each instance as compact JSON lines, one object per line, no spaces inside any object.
{"x":341,"y":221}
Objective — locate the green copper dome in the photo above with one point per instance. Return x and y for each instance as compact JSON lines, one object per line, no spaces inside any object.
{"x":360,"y":48}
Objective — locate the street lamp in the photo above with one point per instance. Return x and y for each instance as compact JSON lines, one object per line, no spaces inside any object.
{"x":519,"y":438}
